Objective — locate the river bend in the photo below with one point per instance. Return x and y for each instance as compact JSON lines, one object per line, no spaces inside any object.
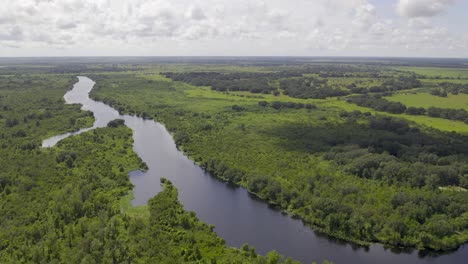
{"x":238,"y":217}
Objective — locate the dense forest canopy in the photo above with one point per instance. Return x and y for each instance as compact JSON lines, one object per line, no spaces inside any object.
{"x":322,"y":142}
{"x":64,"y":204}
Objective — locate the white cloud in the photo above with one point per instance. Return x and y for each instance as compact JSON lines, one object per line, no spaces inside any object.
{"x":365,"y":15}
{"x":420,"y":23}
{"x":196,"y":13}
{"x":222,"y":27}
{"x":13,"y":33}
{"x":422,"y":8}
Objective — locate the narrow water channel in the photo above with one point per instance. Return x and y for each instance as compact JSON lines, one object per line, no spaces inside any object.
{"x":238,"y":217}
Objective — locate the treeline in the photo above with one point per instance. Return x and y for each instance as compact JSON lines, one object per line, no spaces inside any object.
{"x":252,"y":82}
{"x":293,"y":84}
{"x":445,"y":113}
{"x":280,"y":104}
{"x":310,"y":88}
{"x":439,"y":92}
{"x":318,"y":88}
{"x":263,"y":186}
{"x":224,"y":82}
{"x":454,"y":88}
{"x":378,"y":103}
{"x":345,"y":71}
{"x":402,"y":83}
{"x":389,"y":85}
{"x":389,"y":149}
{"x":446,"y":87}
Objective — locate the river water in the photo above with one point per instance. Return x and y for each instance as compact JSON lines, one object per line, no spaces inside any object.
{"x":238,"y":217}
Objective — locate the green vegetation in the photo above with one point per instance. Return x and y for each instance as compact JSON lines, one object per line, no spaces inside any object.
{"x":70,"y":203}
{"x":355,"y":175}
{"x":422,"y":121}
{"x":425,"y":100}
{"x":175,"y":236}
{"x":354,"y":150}
{"x":33,"y":105}
{"x":438,"y":73}
{"x":378,"y":103}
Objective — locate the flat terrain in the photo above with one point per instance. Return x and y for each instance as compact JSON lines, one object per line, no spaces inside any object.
{"x":459,"y":101}
{"x":360,"y":151}
{"x":324,"y":160}
{"x":439,"y":73}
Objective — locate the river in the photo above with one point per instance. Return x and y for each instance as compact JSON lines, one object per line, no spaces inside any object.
{"x":238,"y":217}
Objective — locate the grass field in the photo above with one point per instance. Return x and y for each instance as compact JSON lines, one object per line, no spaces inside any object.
{"x":340,"y":105}
{"x":459,"y":101}
{"x":425,"y":121}
{"x":461,"y":73}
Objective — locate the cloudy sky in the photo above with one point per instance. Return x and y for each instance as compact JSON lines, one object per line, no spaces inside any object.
{"x":416,"y":28}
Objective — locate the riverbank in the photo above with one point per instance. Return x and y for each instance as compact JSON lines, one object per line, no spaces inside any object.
{"x":159,"y":232}
{"x":206,"y":126}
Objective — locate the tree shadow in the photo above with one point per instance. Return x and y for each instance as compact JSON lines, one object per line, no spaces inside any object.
{"x":381,"y":135}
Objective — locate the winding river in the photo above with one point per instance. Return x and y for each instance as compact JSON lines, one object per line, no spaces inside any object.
{"x":238,"y":217}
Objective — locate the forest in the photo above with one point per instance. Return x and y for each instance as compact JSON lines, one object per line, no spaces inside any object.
{"x":64,"y":204}
{"x":369,"y":173}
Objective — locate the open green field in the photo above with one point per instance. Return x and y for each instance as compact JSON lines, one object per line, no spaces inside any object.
{"x":217,"y":99}
{"x":333,"y":104}
{"x":453,"y":73}
{"x":420,"y":120}
{"x":436,"y":82}
{"x":459,"y":101}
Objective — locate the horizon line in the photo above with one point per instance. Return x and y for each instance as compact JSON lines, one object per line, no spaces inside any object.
{"x":233,"y":56}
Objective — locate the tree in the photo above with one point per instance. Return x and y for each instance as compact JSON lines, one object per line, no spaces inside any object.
{"x":116,"y":123}
{"x":276,"y":105}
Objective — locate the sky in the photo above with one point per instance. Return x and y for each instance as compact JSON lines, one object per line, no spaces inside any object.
{"x":382,"y":28}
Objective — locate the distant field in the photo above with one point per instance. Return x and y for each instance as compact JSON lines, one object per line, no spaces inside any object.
{"x":426,"y":100}
{"x":426,"y":121}
{"x":438,"y":72}
{"x":217,"y":100}
{"x":359,"y":82}
{"x":437,"y":81}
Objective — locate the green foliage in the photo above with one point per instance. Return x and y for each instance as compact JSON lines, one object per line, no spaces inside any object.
{"x":116,"y":123}
{"x":378,"y":103}
{"x":254,"y":82}
{"x":310,"y":88}
{"x":69,"y":203}
{"x":342,"y":172}
{"x":176,"y":236}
